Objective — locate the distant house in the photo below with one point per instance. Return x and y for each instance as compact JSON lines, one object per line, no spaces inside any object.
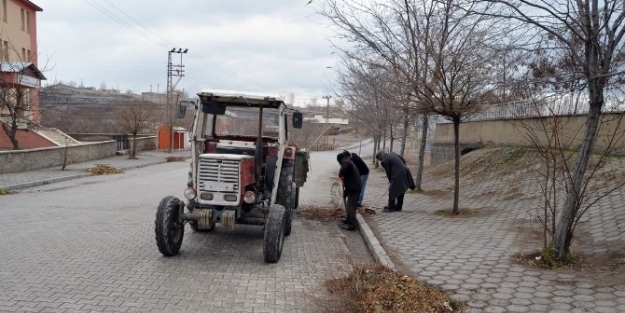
{"x":18,"y":58}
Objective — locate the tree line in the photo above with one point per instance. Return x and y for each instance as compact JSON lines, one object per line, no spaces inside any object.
{"x":407,"y":60}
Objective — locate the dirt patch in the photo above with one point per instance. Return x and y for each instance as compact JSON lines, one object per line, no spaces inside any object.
{"x":606,"y":269}
{"x":465,"y":213}
{"x":103,"y":169}
{"x":371,"y":287}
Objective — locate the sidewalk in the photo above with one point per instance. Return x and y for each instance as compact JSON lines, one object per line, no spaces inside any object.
{"x":39,"y":177}
{"x":471,"y":257}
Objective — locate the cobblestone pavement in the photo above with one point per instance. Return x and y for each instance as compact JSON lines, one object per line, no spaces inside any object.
{"x":470,"y":257}
{"x":87,"y":245}
{"x":62,"y":252}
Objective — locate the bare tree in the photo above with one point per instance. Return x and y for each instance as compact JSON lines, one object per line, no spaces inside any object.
{"x":133,"y":118}
{"x":18,"y":98}
{"x":458,"y":42}
{"x":554,"y":137}
{"x":590,"y":34}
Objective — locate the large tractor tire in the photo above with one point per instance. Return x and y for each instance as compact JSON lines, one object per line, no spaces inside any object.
{"x":168,"y":227}
{"x":285,"y":194}
{"x":274,"y":234}
{"x":288,"y":221}
{"x":295,"y":196}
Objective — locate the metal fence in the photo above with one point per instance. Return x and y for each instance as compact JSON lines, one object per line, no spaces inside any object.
{"x":552,"y":105}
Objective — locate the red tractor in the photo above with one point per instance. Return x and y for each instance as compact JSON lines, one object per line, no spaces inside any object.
{"x":238,"y":174}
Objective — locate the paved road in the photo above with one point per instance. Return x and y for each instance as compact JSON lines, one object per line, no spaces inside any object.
{"x":88,"y":245}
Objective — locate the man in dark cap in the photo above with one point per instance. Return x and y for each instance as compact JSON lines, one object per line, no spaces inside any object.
{"x":363,"y":169}
{"x":351,"y":190}
{"x":399,"y":177}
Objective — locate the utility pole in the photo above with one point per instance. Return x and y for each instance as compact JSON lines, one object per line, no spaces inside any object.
{"x":327,"y":109}
{"x":173,"y":70}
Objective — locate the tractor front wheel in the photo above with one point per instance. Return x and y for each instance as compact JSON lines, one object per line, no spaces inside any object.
{"x":168,"y":227}
{"x":274,"y":233}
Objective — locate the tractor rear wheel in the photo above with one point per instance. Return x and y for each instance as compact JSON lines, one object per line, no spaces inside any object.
{"x":168,"y":227}
{"x":274,"y":234}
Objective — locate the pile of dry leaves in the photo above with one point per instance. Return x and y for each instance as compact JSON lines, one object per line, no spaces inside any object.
{"x":103,"y":169}
{"x":372,"y":287}
{"x":175,"y":159}
{"x":322,"y":213}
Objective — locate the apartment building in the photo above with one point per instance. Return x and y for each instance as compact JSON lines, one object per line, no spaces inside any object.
{"x":20,"y":77}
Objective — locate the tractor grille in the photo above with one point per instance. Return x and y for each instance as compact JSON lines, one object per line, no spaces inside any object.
{"x":222,"y":172}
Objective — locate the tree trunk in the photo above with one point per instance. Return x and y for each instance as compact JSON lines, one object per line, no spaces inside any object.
{"x":422,"y":145}
{"x":391,"y":138}
{"x":405,"y":135}
{"x":566,"y":224}
{"x":384,"y":140}
{"x":455,"y":210}
{"x":11,"y":131}
{"x":133,"y":151}
{"x":375,"y":149}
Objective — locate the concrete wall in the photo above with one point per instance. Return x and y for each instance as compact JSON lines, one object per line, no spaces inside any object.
{"x":516,"y":132}
{"x":26,"y":160}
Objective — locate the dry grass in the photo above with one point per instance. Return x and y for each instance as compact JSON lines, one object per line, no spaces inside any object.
{"x":371,"y":287}
{"x":461,"y":212}
{"x":103,"y":169}
{"x":175,"y":159}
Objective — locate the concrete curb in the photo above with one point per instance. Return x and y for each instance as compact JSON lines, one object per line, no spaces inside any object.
{"x":44,"y":182}
{"x":379,"y":254}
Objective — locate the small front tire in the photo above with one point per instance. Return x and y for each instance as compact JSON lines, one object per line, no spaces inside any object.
{"x":168,"y":227}
{"x":274,"y":234}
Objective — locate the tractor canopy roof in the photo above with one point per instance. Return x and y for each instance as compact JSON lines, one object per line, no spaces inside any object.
{"x":240,"y":99}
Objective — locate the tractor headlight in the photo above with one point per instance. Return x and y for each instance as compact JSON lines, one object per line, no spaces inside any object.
{"x":249,"y":197}
{"x":189,"y":193}
{"x":230,"y":198}
{"x":206,"y":196}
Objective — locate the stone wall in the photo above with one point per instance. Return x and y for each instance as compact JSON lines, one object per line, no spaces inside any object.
{"x":32,"y":159}
{"x":515,"y":132}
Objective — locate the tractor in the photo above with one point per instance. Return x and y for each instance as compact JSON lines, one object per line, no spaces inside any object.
{"x":241,"y":172}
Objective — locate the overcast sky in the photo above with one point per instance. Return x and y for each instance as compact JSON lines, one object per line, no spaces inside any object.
{"x":275,"y":46}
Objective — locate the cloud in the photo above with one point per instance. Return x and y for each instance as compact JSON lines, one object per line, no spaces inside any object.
{"x":247,"y":45}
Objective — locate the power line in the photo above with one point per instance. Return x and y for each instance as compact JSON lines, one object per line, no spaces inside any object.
{"x":158,"y":40}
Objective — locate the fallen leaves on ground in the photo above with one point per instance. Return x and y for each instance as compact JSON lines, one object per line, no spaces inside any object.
{"x":103,"y":169}
{"x":6,"y":191}
{"x":372,"y":287}
{"x":322,"y":213}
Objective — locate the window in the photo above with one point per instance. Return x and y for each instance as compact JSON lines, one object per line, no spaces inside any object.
{"x":23,"y":54}
{"x":6,"y":50}
{"x":4,"y":10}
{"x":27,"y":22}
{"x":23,"y":21}
{"x":28,"y":55}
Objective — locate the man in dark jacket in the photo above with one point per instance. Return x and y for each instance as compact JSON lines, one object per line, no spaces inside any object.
{"x":363,"y":169}
{"x":399,"y":177}
{"x":351,"y":190}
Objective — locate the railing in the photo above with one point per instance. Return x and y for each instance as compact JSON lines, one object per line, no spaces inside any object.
{"x":552,"y":105}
